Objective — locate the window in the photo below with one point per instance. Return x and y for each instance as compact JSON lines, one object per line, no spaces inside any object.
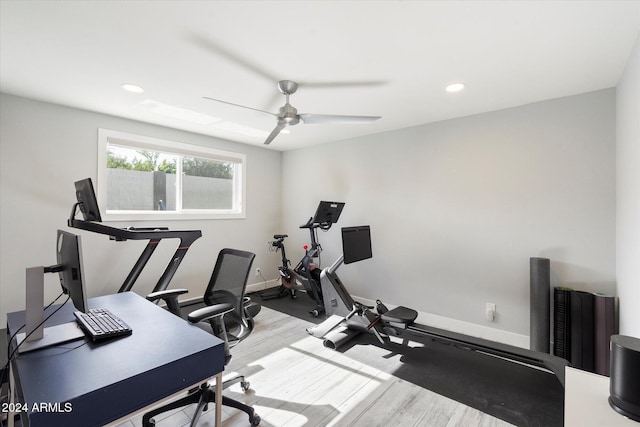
{"x":148,"y":178}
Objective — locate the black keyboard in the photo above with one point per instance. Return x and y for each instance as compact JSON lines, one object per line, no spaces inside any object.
{"x":100,"y":323}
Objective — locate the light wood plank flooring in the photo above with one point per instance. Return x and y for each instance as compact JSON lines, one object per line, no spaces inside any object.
{"x":295,"y":381}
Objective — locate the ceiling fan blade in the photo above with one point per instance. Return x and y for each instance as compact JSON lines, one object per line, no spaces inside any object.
{"x":330,"y":118}
{"x":217,"y":49}
{"x":341,"y":84}
{"x":275,"y":133}
{"x":238,"y":105}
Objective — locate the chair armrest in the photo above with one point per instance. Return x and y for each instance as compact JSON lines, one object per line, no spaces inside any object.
{"x":208,"y":312}
{"x":170,"y":297}
{"x":168,"y":293}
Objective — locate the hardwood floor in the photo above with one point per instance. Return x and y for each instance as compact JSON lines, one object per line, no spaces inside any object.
{"x":295,"y":381}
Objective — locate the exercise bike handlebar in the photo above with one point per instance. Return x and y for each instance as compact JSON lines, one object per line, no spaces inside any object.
{"x":322,"y":225}
{"x":308,"y":224}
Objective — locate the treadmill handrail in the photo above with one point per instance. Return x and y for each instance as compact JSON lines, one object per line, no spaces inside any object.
{"x":154,"y":235}
{"x":122,"y":234}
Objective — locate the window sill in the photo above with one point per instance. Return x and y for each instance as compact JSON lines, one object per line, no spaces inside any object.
{"x":112,"y":216}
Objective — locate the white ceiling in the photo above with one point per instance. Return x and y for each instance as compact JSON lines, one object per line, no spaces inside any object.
{"x":387,"y":58}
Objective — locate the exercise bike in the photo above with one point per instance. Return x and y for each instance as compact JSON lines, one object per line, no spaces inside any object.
{"x":306,"y":274}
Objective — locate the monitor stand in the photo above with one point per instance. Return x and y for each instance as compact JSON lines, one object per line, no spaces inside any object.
{"x":38,"y":335}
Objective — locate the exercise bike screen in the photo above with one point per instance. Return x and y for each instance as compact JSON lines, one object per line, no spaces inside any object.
{"x":356,"y":243}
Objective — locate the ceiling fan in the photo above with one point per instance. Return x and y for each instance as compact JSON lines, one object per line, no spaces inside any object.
{"x":288,"y":115}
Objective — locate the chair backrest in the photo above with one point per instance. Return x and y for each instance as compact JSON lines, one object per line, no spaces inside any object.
{"x":228,"y":282}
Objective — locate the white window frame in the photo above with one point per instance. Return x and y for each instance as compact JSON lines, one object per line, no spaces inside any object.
{"x":106,"y":136}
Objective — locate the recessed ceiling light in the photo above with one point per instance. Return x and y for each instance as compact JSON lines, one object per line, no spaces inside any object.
{"x":455,"y":87}
{"x":132,"y":88}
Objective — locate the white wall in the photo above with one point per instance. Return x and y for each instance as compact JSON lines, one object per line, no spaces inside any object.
{"x":628,"y":197}
{"x":458,"y":207}
{"x":44,"y":148}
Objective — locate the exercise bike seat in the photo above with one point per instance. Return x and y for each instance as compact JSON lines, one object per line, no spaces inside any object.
{"x":400,"y":316}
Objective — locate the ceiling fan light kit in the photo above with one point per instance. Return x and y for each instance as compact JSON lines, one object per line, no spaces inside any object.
{"x":288,"y":114}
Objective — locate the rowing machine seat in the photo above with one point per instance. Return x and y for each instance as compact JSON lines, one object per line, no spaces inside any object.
{"x":400,"y":316}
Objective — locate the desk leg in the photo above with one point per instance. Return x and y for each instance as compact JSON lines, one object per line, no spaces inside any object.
{"x":12,"y":397}
{"x":219,"y":400}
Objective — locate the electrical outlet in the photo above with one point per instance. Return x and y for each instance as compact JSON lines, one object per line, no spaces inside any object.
{"x":258,"y":272}
{"x":490,"y":311}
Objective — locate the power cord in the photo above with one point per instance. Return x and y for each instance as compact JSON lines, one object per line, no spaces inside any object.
{"x":5,"y":369}
{"x":263,"y":278}
{"x":32,"y":332}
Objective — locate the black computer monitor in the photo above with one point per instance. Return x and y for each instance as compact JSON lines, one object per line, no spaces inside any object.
{"x":356,"y":243}
{"x":70,"y":269}
{"x":328,"y":212}
{"x":87,"y":201}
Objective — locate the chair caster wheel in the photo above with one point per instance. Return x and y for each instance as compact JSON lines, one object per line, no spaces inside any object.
{"x":246,"y":386}
{"x":315,"y":313}
{"x":255,"y":420}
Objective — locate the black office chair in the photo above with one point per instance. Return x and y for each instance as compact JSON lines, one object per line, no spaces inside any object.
{"x":224,"y":298}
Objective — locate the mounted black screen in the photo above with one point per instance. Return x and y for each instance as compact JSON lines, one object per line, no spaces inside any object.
{"x":87,"y":201}
{"x":356,"y":243}
{"x":328,"y":213}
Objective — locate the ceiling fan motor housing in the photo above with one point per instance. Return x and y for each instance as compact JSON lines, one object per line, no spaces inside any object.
{"x":289,"y":114}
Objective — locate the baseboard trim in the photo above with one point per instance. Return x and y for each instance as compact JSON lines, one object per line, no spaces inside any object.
{"x":254,"y":287}
{"x":260,"y":286}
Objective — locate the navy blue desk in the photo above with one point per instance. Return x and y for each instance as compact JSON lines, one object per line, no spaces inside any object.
{"x":97,"y":383}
